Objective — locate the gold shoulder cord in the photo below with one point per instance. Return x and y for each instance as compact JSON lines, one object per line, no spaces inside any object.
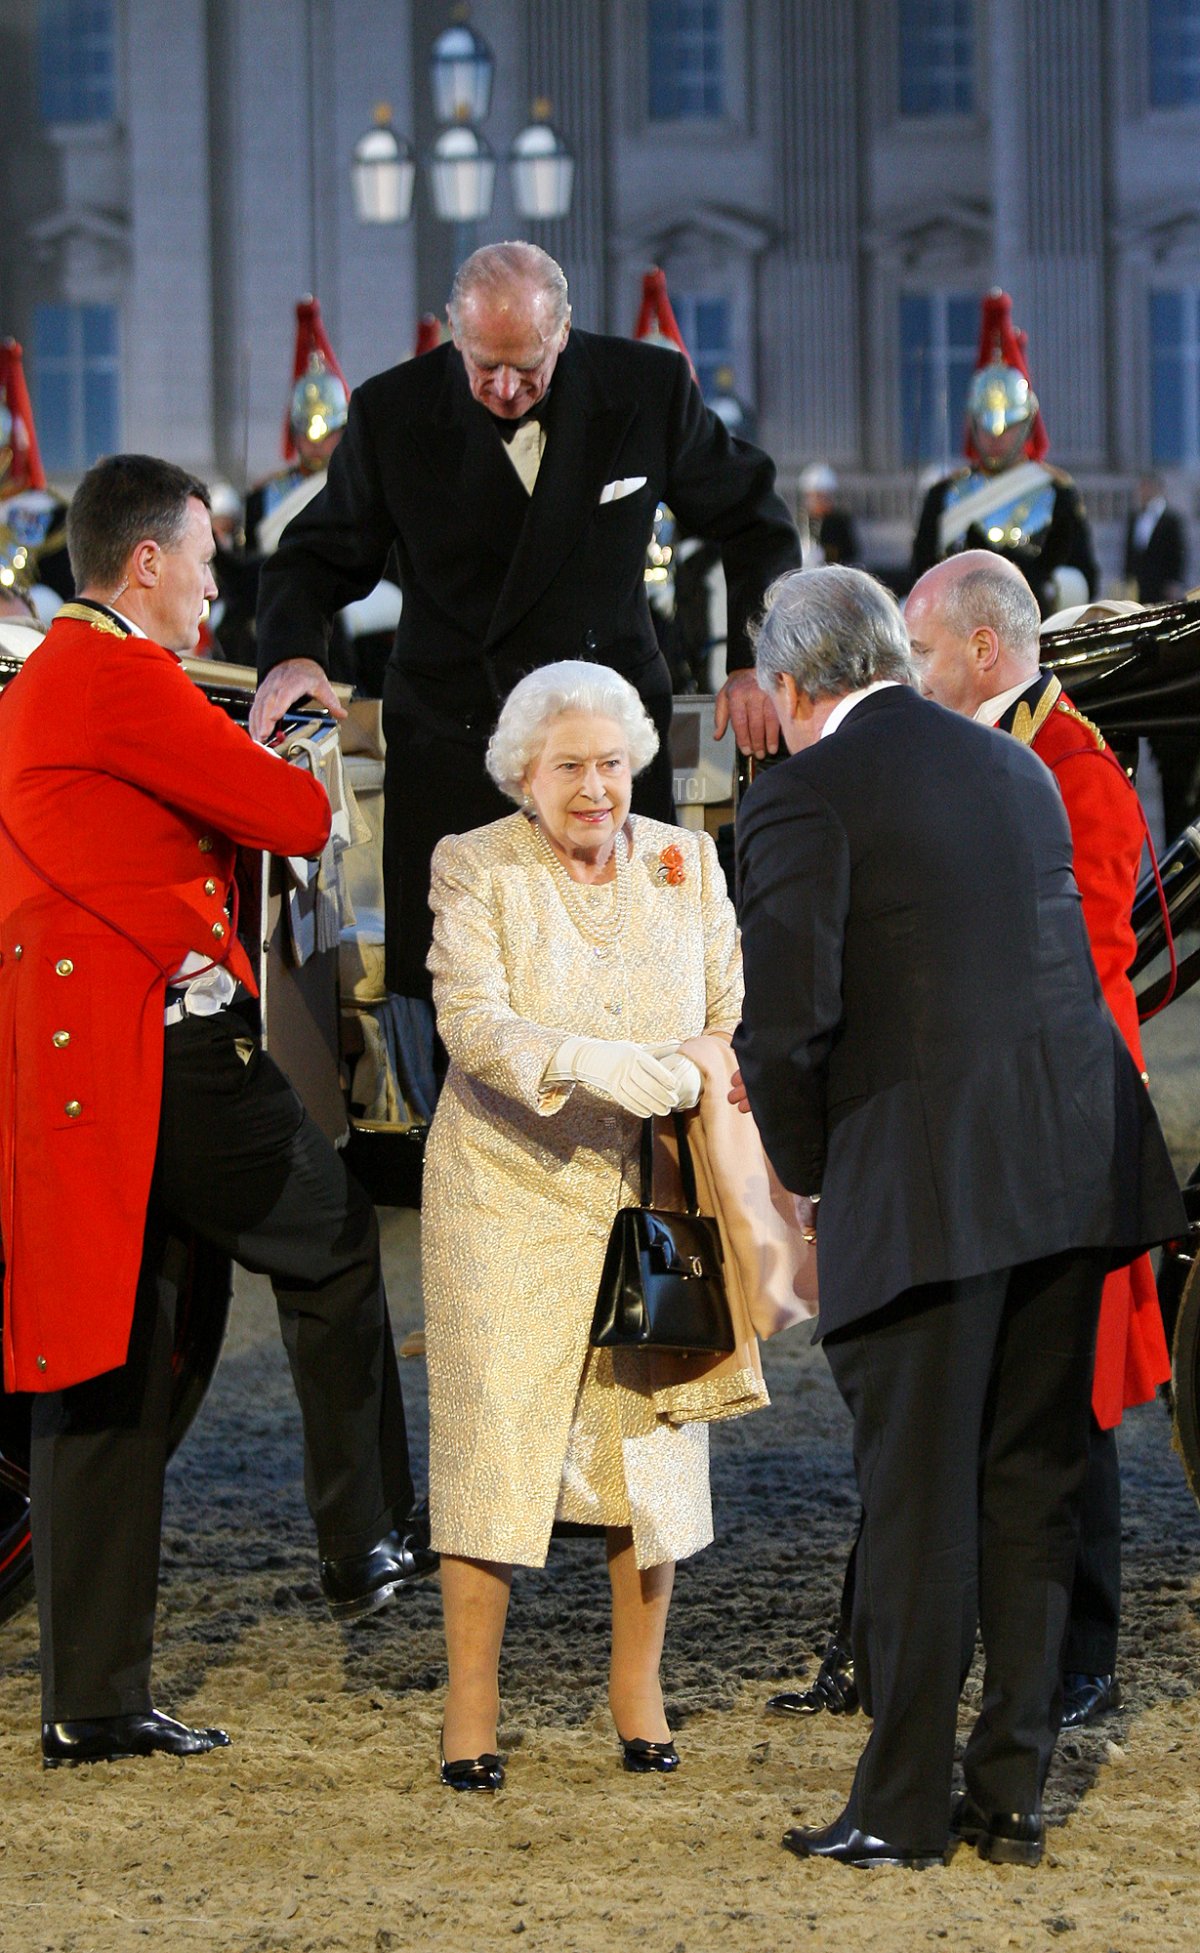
{"x":81,"y":614}
{"x":1072,"y":713}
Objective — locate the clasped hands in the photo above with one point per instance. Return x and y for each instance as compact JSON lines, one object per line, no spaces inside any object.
{"x":648,"y":1079}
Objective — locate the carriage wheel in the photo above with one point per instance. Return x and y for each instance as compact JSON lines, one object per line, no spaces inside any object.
{"x":204,"y":1281}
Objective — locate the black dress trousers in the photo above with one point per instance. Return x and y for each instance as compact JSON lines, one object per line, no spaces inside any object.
{"x":971,"y":1402}
{"x":239,"y":1162}
{"x":1092,"y":1632}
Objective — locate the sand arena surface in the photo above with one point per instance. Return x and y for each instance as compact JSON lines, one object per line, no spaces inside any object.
{"x":324,"y":1826}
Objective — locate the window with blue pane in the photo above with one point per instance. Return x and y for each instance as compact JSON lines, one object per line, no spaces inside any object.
{"x":939,"y":334}
{"x":707,"y":327}
{"x":75,"y":374}
{"x":1174,"y":29}
{"x":77,"y":60}
{"x":685,"y":45}
{"x":937,"y":57}
{"x":1175,"y":377}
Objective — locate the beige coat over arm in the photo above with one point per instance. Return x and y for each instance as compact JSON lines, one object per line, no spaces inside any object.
{"x":522,"y":1184}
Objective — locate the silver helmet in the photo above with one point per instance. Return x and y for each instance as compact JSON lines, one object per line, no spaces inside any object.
{"x":1001,"y":408}
{"x":320,"y":402}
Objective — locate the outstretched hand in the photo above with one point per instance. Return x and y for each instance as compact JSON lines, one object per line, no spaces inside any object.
{"x":295,"y":679}
{"x":742,"y":704}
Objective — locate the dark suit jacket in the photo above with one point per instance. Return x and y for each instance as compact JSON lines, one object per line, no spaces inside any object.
{"x":496,"y":582}
{"x":924,"y":1042}
{"x":1158,"y":570}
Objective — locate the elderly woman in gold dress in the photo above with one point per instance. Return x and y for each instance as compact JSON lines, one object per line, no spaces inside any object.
{"x":575,"y":944}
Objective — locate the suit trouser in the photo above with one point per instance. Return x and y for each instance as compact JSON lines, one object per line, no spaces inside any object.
{"x":970,"y":1402}
{"x":240,"y":1162}
{"x":1091,"y":1644}
{"x":1095,"y":1615}
{"x":435,"y":786}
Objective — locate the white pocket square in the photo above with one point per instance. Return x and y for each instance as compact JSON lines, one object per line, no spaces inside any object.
{"x":614,"y":490}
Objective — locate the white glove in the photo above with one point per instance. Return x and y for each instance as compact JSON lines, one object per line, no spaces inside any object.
{"x":688,"y":1082}
{"x":628,"y":1073}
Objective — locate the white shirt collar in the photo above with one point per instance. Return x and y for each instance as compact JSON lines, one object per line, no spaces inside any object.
{"x":1148,"y":520}
{"x":134,"y":630}
{"x":849,"y":700}
{"x":992,"y":710}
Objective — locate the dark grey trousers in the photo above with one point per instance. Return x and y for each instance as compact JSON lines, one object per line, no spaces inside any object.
{"x":971,"y":1402}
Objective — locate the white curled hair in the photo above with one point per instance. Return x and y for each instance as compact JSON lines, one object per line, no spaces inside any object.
{"x":544,"y":695}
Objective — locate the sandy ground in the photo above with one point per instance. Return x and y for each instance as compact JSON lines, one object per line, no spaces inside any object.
{"x":324,"y":1826}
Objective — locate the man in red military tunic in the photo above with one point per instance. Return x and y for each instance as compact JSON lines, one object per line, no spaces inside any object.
{"x":973,"y":621}
{"x":134,"y":1096}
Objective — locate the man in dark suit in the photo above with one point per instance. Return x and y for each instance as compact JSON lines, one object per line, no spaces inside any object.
{"x":514,"y":475}
{"x":1155,"y":546}
{"x":926,"y":1051}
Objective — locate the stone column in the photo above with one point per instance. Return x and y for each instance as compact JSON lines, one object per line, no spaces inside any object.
{"x":566,"y":61}
{"x":809,"y":338}
{"x":167,"y":322}
{"x":1048,"y":117}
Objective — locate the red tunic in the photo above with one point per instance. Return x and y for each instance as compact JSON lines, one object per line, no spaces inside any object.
{"x":1107,"y":834}
{"x":123,"y":784}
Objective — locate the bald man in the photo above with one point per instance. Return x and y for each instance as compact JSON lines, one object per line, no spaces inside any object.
{"x":973,"y":622}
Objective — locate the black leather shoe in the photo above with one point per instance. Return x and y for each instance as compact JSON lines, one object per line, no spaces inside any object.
{"x":641,"y":1757}
{"x":845,"y":1844}
{"x":1088,"y":1698}
{"x":470,"y":1772}
{"x":834,"y":1689}
{"x":103,"y":1739}
{"x":1002,"y":1838}
{"x":362,"y":1582}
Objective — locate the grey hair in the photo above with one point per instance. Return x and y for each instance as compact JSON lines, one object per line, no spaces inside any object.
{"x":544,"y":695}
{"x":833,"y":630}
{"x":493,"y":270}
{"x":992,"y":596}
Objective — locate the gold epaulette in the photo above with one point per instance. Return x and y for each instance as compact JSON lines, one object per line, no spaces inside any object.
{"x":1027,"y":724}
{"x":1073,"y":713}
{"x":83,"y":614}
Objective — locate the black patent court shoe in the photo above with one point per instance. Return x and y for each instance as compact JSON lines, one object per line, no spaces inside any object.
{"x":641,"y":1758}
{"x":484,"y":1772}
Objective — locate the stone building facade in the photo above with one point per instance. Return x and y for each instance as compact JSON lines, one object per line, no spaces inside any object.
{"x":829,"y":185}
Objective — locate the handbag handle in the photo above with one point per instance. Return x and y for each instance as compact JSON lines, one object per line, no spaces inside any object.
{"x":687,"y":1171}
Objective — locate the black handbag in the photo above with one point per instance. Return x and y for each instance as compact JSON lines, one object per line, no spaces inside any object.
{"x":662,"y":1286}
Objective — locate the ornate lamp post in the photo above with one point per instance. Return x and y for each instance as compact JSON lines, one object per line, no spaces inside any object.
{"x":461,"y":165}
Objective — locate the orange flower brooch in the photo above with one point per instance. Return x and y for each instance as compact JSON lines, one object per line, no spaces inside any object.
{"x":670,"y":867}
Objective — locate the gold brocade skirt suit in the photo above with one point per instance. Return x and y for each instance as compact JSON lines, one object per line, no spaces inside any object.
{"x":526,"y":1422}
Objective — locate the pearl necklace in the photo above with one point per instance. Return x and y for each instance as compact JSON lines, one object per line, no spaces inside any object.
{"x":597,"y":930}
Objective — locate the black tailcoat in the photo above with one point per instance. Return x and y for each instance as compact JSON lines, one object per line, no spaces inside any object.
{"x":496,"y":582}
